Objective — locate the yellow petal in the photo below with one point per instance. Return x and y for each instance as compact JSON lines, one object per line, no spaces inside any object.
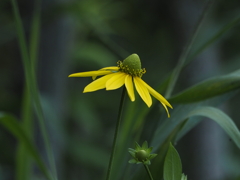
{"x":90,"y":73}
{"x":111,"y":68}
{"x":98,"y":84}
{"x":116,"y":81}
{"x":166,"y":109}
{"x":156,"y":94}
{"x":142,"y":91}
{"x":129,"y":87}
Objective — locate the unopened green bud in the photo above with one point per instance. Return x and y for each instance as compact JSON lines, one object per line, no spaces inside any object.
{"x":142,"y":155}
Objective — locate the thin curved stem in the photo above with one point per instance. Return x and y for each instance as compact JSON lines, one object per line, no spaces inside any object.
{"x":148,"y":171}
{"x":116,"y":134}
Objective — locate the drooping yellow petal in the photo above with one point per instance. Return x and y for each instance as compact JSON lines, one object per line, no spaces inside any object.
{"x":98,"y":84}
{"x":165,"y":107}
{"x":90,"y":73}
{"x":115,"y":81}
{"x":142,"y":91}
{"x":129,"y":87}
{"x":156,"y":94}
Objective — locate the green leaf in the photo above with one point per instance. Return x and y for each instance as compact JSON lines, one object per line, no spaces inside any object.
{"x":145,"y":145}
{"x":185,"y":52}
{"x":187,"y":126}
{"x":137,"y":146}
{"x":149,"y":150}
{"x":179,"y":115}
{"x":172,"y":165}
{"x":184,"y":177}
{"x":132,"y":161}
{"x":132,"y":153}
{"x":209,"y":88}
{"x":30,"y":77}
{"x":232,"y":23}
{"x":101,"y":55}
{"x":11,"y":124}
{"x":23,"y":160}
{"x":222,"y":119}
{"x":151,"y":156}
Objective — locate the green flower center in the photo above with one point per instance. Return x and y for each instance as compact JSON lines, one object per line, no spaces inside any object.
{"x":131,"y":65}
{"x":142,"y":155}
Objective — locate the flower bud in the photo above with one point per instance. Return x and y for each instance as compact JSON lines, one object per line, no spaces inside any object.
{"x":142,"y":155}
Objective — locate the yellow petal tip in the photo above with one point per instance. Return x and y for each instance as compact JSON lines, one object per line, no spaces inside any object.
{"x":149,"y":105}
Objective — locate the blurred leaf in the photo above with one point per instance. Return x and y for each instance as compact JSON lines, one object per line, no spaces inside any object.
{"x":189,"y":124}
{"x":168,"y":129}
{"x":23,"y":160}
{"x":208,"y":88}
{"x":30,"y":76}
{"x":23,"y":164}
{"x":184,"y":60}
{"x":172,"y":165}
{"x":8,"y":31}
{"x":183,"y":57}
{"x":179,"y":114}
{"x":89,"y":154}
{"x":92,"y":52}
{"x":222,"y":119}
{"x":233,"y":22}
{"x":11,"y":124}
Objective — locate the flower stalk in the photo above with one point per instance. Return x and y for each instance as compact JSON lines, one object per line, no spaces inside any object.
{"x":114,"y":145}
{"x":148,"y":171}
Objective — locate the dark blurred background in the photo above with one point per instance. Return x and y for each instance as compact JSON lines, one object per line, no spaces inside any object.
{"x":82,"y":35}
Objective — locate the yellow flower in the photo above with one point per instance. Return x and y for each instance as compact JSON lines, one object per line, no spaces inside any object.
{"x":128,"y":72}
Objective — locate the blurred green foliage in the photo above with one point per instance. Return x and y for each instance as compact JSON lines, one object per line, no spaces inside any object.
{"x":73,"y":36}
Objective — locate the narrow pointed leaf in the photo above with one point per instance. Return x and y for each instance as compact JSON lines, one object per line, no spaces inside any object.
{"x":209,"y":88}
{"x":145,"y":145}
{"x":137,"y":146}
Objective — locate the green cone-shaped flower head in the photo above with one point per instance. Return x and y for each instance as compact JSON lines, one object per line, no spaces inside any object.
{"x":133,"y":62}
{"x":132,"y":65}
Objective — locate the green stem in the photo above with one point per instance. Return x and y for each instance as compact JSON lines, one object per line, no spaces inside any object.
{"x":116,"y":134}
{"x":148,"y":171}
